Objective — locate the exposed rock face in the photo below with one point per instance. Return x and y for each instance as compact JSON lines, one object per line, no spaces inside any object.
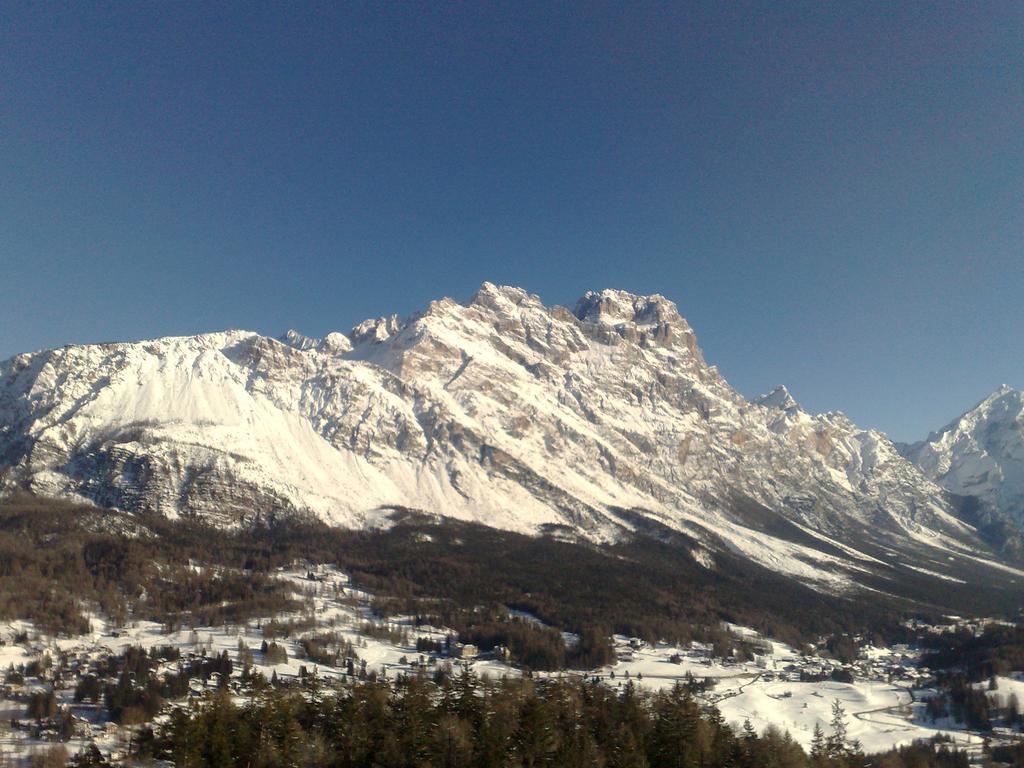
{"x":499,"y":410}
{"x":981,"y":454}
{"x":779,"y":399}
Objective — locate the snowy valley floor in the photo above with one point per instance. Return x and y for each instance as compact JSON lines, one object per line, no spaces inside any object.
{"x":883,"y":703}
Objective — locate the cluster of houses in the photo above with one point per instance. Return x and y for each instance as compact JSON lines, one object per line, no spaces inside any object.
{"x":43,"y":691}
{"x":898,"y":663}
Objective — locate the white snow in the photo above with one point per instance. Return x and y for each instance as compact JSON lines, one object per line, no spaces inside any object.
{"x":981,"y":453}
{"x":499,"y":410}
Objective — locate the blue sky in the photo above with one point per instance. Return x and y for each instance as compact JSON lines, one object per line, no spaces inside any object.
{"x":831,"y":193}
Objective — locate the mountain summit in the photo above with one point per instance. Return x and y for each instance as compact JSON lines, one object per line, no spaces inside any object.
{"x":778,"y":398}
{"x":981,"y":453}
{"x":597,"y":422}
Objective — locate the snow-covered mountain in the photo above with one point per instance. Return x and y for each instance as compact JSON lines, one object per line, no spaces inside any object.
{"x":980,"y":454}
{"x":592,"y":422}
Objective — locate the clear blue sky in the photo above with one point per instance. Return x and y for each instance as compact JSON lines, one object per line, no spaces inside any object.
{"x":831,"y":192}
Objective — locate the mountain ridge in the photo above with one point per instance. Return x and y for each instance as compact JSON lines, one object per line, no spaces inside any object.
{"x":980,"y":454}
{"x":498,"y":410}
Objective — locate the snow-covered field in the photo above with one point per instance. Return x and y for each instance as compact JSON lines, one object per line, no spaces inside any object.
{"x":879,"y":714}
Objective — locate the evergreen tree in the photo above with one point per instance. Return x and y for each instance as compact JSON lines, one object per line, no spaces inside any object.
{"x":535,"y":741}
{"x":819,"y":748}
{"x":837,"y":741}
{"x":674,"y":735}
{"x":453,"y":743}
{"x":89,"y":757}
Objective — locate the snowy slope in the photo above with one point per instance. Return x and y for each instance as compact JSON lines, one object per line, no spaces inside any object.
{"x":499,"y":410}
{"x":981,"y":453}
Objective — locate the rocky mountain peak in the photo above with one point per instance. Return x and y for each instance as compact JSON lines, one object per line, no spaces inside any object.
{"x":779,"y":399}
{"x":647,"y":320}
{"x":336,"y":343}
{"x":1004,"y":397}
{"x":502,"y":298}
{"x":980,"y":453}
{"x":376,"y":330}
{"x":614,"y":307}
{"x":296,"y":340}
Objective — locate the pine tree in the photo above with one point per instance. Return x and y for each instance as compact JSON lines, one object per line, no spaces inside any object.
{"x":413,"y":715}
{"x":466,"y":702}
{"x":535,"y":740}
{"x":89,"y":757}
{"x":453,"y":743}
{"x":722,"y":747}
{"x":749,"y":734}
{"x":674,"y":736}
{"x":625,"y":751}
{"x":837,"y":742}
{"x":818,"y":746}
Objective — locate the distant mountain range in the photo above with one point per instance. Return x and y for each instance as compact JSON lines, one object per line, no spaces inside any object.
{"x":594,"y":423}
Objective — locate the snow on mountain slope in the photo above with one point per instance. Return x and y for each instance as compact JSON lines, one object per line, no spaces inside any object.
{"x":499,"y":410}
{"x":981,"y":453}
